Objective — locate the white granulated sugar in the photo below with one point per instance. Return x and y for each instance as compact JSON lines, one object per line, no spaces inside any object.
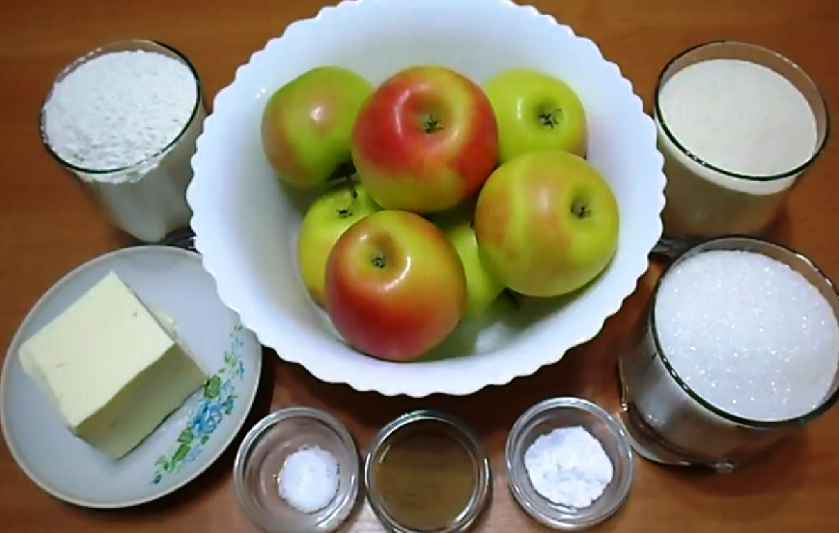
{"x":308,"y":479}
{"x":118,"y":109}
{"x":748,"y":334}
{"x":568,"y":467}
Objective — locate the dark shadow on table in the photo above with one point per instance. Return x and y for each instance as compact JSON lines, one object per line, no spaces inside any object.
{"x":780,"y":230}
{"x":775,"y":477}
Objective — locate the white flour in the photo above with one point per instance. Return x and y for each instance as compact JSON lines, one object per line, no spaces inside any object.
{"x":568,"y":467}
{"x":118,"y":109}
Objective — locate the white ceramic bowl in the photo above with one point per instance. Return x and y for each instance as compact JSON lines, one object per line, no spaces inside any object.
{"x":246,"y":222}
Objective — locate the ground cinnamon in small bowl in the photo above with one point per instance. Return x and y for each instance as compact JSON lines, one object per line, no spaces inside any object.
{"x":427,"y":472}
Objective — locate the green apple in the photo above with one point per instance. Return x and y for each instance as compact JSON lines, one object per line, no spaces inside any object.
{"x":330,"y":215}
{"x":536,"y":111}
{"x":547,"y":223}
{"x":307,"y":124}
{"x":482,"y":288}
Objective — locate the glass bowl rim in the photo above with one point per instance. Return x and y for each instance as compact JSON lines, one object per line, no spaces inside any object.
{"x":517,"y":477}
{"x":482,"y":493}
{"x":254,"y":435}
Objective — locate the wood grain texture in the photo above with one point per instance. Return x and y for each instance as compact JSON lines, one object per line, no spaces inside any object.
{"x":48,"y":228}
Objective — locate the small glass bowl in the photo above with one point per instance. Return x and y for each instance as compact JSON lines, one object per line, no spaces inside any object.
{"x":456,"y":428}
{"x":262,"y":453}
{"x":543,"y":418}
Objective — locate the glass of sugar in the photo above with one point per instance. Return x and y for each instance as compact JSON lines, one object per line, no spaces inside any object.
{"x":739,"y":347}
{"x":124,"y":119}
{"x":738,"y":125}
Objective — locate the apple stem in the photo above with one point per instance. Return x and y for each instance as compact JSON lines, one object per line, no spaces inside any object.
{"x":431,"y":124}
{"x":351,"y":182}
{"x":550,"y":118}
{"x":580,"y":209}
{"x":378,"y":261}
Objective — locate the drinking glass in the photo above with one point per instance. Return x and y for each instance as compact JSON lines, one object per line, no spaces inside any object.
{"x":147,"y":199}
{"x":668,"y":421}
{"x":705,"y":200}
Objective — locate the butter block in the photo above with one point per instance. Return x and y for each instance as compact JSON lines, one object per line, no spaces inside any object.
{"x":112,"y":368}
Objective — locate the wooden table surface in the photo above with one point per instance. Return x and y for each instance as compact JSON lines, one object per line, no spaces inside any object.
{"x":48,"y":228}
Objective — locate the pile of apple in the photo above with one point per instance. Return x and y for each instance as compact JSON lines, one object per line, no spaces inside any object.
{"x":439,"y":194}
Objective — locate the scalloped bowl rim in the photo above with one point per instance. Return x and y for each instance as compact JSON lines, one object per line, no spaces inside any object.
{"x":492,"y":373}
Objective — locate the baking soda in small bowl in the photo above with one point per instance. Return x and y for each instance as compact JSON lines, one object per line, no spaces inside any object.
{"x":740,"y":347}
{"x":125,"y":119}
{"x":568,"y":466}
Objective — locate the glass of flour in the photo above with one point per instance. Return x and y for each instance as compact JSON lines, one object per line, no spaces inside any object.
{"x":738,"y":125}
{"x":124,"y":119}
{"x":739,"y":348}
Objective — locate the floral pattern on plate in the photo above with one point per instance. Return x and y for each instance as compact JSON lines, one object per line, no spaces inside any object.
{"x":216,"y":400}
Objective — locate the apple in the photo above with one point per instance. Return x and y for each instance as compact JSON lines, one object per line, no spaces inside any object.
{"x":307,"y":124}
{"x":330,"y":215}
{"x":482,"y":288}
{"x":425,"y":140}
{"x":395,"y":287}
{"x":547,"y":223}
{"x":536,"y":111}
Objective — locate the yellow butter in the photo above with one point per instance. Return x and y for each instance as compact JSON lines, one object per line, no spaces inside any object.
{"x":112,"y":368}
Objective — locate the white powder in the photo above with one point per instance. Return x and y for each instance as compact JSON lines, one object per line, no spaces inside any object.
{"x":118,"y":109}
{"x":748,"y":334}
{"x":308,"y":479}
{"x":568,"y":467}
{"x":720,"y":110}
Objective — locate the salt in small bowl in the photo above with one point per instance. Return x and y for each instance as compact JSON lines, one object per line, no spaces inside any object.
{"x":263,"y":453}
{"x":555,"y":413}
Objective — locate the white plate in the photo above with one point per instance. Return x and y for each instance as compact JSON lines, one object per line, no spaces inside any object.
{"x":194,"y":436}
{"x":246,"y":223}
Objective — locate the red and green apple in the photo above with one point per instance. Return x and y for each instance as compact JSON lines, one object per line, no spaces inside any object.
{"x":547,"y":223}
{"x":395,"y":286}
{"x":425,"y":140}
{"x":307,"y":124}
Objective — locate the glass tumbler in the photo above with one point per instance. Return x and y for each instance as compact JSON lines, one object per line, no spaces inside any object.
{"x":146,"y":199}
{"x":668,"y":421}
{"x":717,"y":151}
